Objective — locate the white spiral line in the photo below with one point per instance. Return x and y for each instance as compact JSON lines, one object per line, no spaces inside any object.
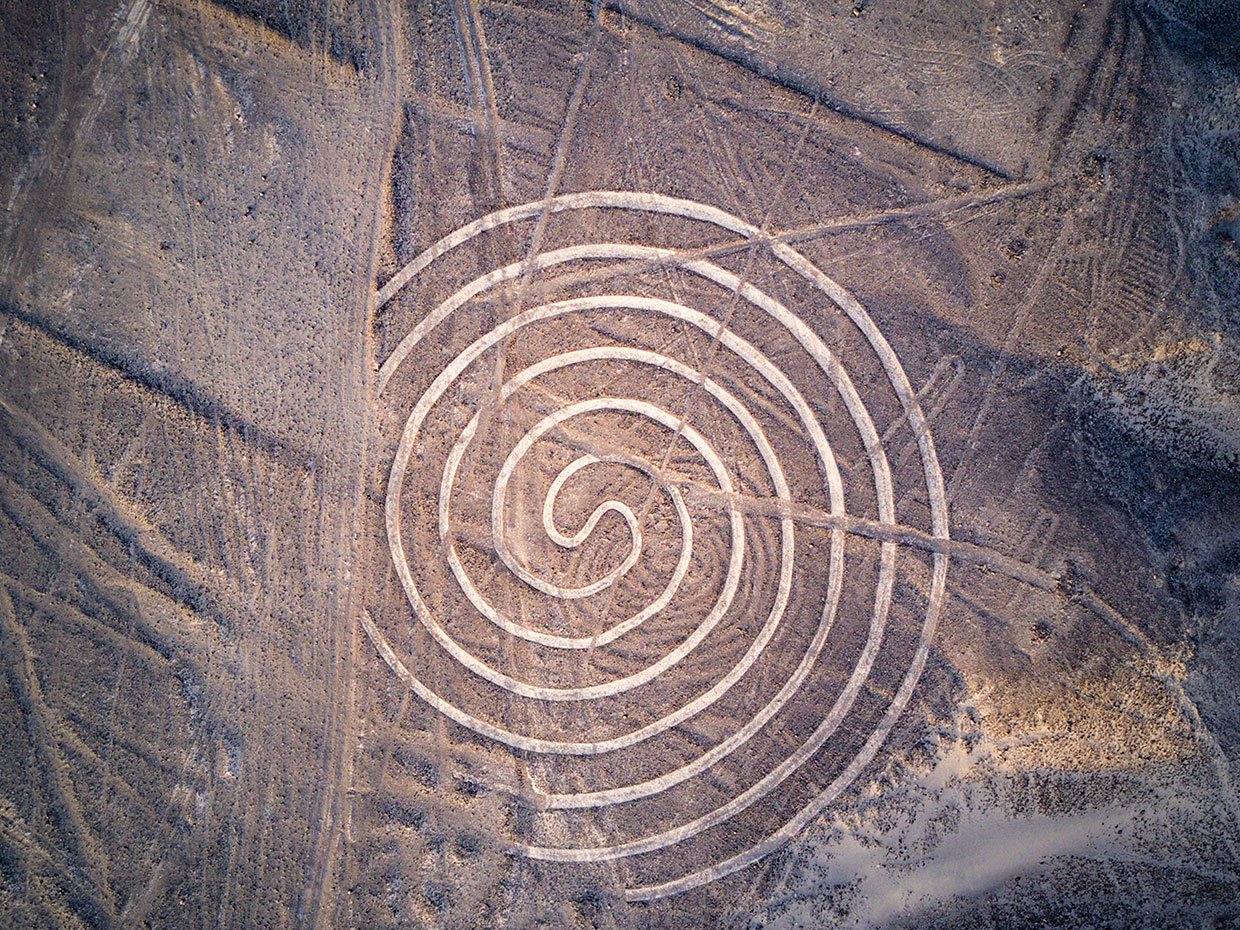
{"x":614,"y":632}
{"x":682,"y":566}
{"x":574,"y":541}
{"x":883,"y":485}
{"x":620,"y":685}
{"x":764,"y":367}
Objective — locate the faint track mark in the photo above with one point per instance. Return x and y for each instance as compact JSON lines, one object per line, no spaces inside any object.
{"x":477,"y":67}
{"x":42,"y":726}
{"x":183,"y":391}
{"x":164,"y":623}
{"x":83,"y":94}
{"x":187,"y":579}
{"x":1025,"y":309}
{"x":802,"y":87}
{"x":337,"y":808}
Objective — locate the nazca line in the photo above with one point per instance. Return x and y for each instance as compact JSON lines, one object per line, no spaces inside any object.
{"x":734,"y":342}
{"x":807,"y":338}
{"x":863,"y":667}
{"x":899,"y":381}
{"x":661,"y":416}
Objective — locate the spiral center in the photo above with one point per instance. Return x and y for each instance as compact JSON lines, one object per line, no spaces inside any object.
{"x":505,"y":551}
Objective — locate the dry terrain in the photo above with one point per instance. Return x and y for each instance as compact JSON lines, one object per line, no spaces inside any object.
{"x":630,"y":464}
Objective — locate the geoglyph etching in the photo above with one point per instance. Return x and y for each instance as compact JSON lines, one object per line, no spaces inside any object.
{"x":574,"y":425}
{"x":623,"y":595}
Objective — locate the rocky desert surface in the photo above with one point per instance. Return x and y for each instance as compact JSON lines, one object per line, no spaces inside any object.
{"x":619,"y":464}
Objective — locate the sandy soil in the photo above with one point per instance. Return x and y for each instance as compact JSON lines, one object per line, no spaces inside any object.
{"x":765,"y":464}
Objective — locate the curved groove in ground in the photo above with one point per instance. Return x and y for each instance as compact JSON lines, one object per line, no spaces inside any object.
{"x":885,"y":529}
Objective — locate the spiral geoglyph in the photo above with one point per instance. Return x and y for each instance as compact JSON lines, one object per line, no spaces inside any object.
{"x":657,"y":635}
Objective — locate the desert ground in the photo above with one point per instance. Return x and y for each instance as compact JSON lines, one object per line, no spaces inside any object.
{"x":619,"y":464}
